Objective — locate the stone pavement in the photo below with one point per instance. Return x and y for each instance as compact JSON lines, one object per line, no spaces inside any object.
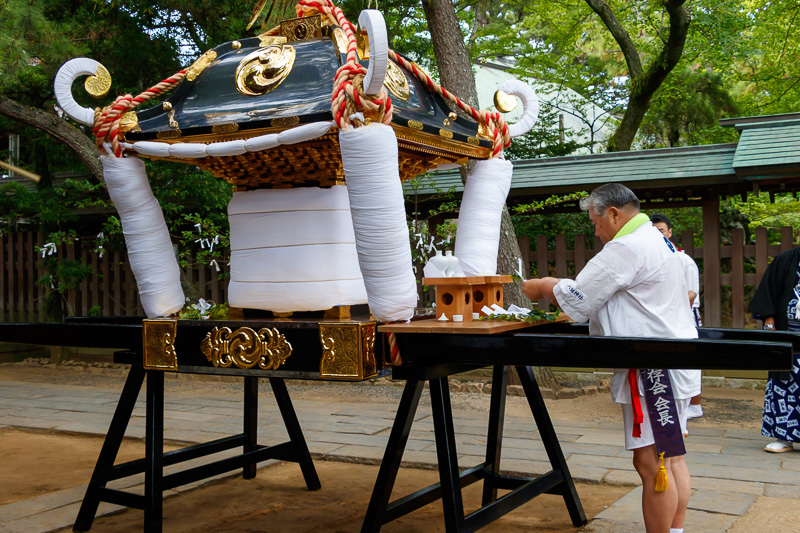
{"x":729,"y":469}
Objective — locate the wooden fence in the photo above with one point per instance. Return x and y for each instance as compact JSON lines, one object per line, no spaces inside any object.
{"x":728,"y":273}
{"x":111,"y":290}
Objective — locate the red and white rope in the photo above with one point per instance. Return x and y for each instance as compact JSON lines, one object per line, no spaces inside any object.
{"x":347,"y":74}
{"x":107,"y":119}
{"x":494,"y":122}
{"x":348,"y":90}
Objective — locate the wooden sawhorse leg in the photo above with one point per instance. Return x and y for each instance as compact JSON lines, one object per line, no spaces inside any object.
{"x":379,"y":511}
{"x":451,"y":479}
{"x":154,"y":452}
{"x":298,"y":441}
{"x":250,"y":423}
{"x":494,"y":439}
{"x":111,"y":444}
{"x":550,"y":440}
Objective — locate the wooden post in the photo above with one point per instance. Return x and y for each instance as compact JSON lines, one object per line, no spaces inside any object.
{"x":30,"y":262}
{"x":95,"y":285}
{"x":71,"y":300}
{"x":525,"y":253}
{"x":84,"y":252}
{"x":118,"y":289}
{"x":41,"y":290}
{"x":105,"y":298}
{"x":786,"y":238}
{"x":762,"y":245}
{"x":711,"y":266}
{"x":3,"y":266}
{"x":561,"y":255}
{"x":131,"y":293}
{"x":687,"y":242}
{"x":580,"y":252}
{"x":542,"y":268}
{"x":737,"y":277}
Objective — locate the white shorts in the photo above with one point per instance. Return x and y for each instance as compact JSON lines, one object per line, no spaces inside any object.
{"x":631,"y":442}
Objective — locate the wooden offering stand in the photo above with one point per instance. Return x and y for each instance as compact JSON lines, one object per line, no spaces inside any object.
{"x":466,"y":295}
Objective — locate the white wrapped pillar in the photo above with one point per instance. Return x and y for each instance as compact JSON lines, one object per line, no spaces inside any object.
{"x":478,"y":233}
{"x":293,"y":250}
{"x":150,"y":251}
{"x":369,"y":157}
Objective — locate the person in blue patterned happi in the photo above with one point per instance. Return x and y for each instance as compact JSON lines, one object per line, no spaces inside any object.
{"x":777,"y":304}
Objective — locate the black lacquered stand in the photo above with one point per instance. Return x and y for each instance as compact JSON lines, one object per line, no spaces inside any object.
{"x":155,"y":482}
{"x":451,"y":478}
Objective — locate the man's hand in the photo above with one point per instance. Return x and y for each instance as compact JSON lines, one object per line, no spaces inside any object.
{"x":538,"y":288}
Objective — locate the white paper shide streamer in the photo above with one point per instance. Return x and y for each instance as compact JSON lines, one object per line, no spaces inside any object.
{"x":478,"y":233}
{"x":150,"y":252}
{"x":369,"y":157}
{"x":293,"y":250}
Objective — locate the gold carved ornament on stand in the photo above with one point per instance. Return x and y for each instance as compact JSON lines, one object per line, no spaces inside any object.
{"x":245,"y":348}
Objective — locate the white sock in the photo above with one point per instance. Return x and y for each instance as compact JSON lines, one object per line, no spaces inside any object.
{"x":675,"y":530}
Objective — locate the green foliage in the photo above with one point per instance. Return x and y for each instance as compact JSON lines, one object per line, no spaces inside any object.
{"x":528,"y":222}
{"x":423,"y":241}
{"x":61,"y":275}
{"x":50,"y":208}
{"x":205,"y":310}
{"x":760,"y":212}
{"x":531,"y":317}
{"x":543,"y":140}
{"x":682,"y":219}
{"x":551,"y":201}
{"x":687,"y":109}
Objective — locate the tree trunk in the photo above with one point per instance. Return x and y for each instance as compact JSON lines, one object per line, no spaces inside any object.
{"x":455,"y":70}
{"x":452,"y":57}
{"x":643,"y":82}
{"x":56,"y":127}
{"x":508,"y":259}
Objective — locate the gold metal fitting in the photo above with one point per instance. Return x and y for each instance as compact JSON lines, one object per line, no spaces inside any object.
{"x":504,"y":102}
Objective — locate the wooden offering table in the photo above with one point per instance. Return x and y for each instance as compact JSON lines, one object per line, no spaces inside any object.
{"x":432,"y":351}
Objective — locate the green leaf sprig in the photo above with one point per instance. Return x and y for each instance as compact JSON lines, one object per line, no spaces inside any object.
{"x":533,"y":316}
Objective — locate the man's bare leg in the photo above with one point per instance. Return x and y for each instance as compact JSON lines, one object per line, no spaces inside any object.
{"x":683,"y":483}
{"x":658,"y":508}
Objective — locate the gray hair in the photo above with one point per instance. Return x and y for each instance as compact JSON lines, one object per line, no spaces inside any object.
{"x":609,"y":195}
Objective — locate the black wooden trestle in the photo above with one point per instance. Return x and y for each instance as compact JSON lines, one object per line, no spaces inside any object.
{"x":430,"y":358}
{"x":452,"y":479}
{"x":155,"y":483}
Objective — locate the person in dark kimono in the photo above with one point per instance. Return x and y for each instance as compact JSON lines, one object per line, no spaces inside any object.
{"x":777,"y":304}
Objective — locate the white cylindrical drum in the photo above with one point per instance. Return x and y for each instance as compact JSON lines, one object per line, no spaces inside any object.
{"x":369,"y":157}
{"x":152,"y":259}
{"x":293,"y":250}
{"x":478,"y":233}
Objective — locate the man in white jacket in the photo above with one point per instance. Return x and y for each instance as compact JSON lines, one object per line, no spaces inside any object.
{"x":634,"y":287}
{"x":692,"y":275}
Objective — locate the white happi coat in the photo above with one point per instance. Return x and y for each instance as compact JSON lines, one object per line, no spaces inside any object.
{"x":635,"y":287}
{"x":691,"y":274}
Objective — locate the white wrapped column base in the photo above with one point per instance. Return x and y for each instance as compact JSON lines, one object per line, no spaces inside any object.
{"x":478,"y":233}
{"x":369,"y":158}
{"x":293,"y":250}
{"x":150,"y":252}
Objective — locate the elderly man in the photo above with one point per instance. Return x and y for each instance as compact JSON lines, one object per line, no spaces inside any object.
{"x":635,"y":288}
